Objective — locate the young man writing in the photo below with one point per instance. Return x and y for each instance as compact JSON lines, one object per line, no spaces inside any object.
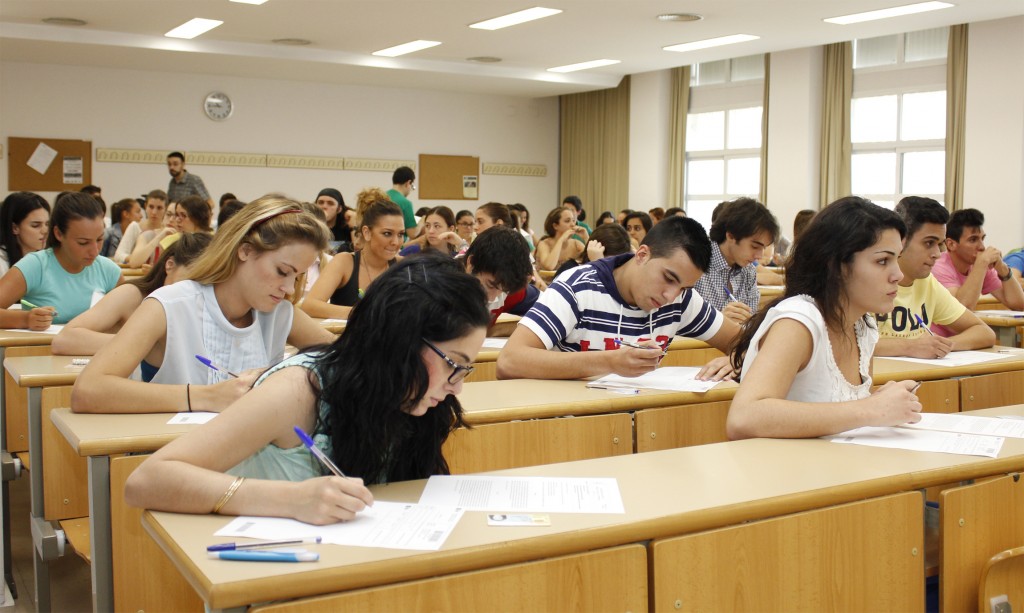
{"x":644,"y":298}
{"x":920,"y":295}
{"x":500,"y":259}
{"x":969,"y":269}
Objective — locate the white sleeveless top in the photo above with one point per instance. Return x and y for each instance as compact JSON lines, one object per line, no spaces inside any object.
{"x":821,"y":380}
{"x":196,"y":325}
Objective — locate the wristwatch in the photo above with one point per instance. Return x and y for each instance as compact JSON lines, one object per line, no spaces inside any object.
{"x":1009,"y":274}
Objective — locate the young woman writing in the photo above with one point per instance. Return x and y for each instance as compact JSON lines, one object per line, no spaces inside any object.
{"x":380,"y":402}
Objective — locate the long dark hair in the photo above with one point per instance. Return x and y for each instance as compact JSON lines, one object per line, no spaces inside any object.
{"x":817,"y":265}
{"x":184,"y":251}
{"x":375,"y":370}
{"x":15,"y":209}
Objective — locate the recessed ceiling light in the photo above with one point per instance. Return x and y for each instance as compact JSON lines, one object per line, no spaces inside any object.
{"x":294,"y":42}
{"x":711,"y":42}
{"x":249,"y":1}
{"x":514,"y":19}
{"x":896,"y":11}
{"x":193,"y":28}
{"x":64,"y":21}
{"x":680,"y":17}
{"x":484,"y":59}
{"x":416,"y":45}
{"x":583,"y":65}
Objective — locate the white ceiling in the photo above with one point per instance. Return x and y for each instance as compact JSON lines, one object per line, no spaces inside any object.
{"x":344,"y":33}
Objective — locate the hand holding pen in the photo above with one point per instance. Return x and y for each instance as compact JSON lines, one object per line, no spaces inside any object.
{"x":209,"y":363}
{"x":627,"y":363}
{"x":327,"y":500}
{"x":931,"y":345}
{"x":38,"y":318}
{"x":736,"y":310}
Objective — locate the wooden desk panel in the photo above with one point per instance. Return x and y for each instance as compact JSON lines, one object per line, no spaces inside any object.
{"x":65,"y":479}
{"x":16,"y":398}
{"x":976,"y":521}
{"x":941,"y":396}
{"x":682,"y":426}
{"x":995,"y":390}
{"x":606,"y":580}
{"x":1003,"y":575}
{"x":873,"y":561}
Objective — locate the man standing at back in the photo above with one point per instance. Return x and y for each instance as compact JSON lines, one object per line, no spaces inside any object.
{"x":404,"y":181}
{"x":183,"y":183}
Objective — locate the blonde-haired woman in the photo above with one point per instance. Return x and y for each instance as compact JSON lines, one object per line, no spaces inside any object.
{"x":233,"y":310}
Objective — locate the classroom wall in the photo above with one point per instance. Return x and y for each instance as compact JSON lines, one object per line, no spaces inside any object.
{"x":160,"y":110}
{"x":649,"y":124}
{"x":994,"y":144}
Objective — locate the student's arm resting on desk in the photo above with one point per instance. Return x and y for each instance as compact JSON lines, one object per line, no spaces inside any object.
{"x":334,"y":275}
{"x":760,"y":408}
{"x":524,"y":356}
{"x":104,"y":386}
{"x":721,"y":368}
{"x":307,"y":333}
{"x":144,"y":249}
{"x":187,"y":475}
{"x":1010,"y":292}
{"x":924,"y":346}
{"x":12,"y":289}
{"x":89,"y":332}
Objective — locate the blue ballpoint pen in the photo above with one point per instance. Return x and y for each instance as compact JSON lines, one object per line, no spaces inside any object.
{"x":209,"y":363}
{"x":317,"y":453}
{"x":921,"y":323}
{"x":265,"y":556}
{"x":260,"y":544}
{"x":730,"y":295}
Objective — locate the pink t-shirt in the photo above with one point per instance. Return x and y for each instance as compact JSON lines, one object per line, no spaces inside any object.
{"x":948,"y":275}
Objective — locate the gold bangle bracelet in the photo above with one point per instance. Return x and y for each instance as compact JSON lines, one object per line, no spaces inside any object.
{"x":228,"y":494}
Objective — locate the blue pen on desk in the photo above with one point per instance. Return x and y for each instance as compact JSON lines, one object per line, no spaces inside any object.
{"x":209,"y":363}
{"x":265,"y":556}
{"x":921,"y":323}
{"x":314,"y":540}
{"x":317,"y":453}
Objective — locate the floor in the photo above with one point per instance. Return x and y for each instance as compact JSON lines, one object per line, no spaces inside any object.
{"x":70,"y":585}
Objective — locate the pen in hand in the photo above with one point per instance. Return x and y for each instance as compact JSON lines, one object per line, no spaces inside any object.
{"x":921,"y":323}
{"x":318,"y":454}
{"x":634,"y":345}
{"x":25,"y":304}
{"x":209,"y":363}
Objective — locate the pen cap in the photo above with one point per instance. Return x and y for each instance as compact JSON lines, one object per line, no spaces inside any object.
{"x":305,"y":438}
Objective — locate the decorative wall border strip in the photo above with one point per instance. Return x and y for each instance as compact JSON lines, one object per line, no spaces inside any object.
{"x":217,"y":158}
{"x":305,"y":161}
{"x":377,"y":165}
{"x":515,"y":170}
{"x":131,"y":156}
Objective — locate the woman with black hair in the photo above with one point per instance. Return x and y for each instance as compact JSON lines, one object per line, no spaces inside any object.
{"x":24,"y":221}
{"x":380,"y":402}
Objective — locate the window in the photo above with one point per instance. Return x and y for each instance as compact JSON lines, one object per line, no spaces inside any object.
{"x":898,"y":116}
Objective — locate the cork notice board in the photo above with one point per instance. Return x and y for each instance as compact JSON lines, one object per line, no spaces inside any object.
{"x":448,"y":177}
{"x":48,"y":164}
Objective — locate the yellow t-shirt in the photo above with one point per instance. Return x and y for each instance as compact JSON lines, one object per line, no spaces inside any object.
{"x":169,"y":240}
{"x":927,"y":298}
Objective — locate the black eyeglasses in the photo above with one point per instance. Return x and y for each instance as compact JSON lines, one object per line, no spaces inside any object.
{"x":459,"y":372}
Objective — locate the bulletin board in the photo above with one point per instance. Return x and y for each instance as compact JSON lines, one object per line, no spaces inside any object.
{"x":448,"y":177}
{"x":66,"y":165}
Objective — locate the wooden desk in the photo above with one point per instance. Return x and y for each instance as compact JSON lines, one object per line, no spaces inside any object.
{"x":712,"y":487}
{"x":1007,"y":328}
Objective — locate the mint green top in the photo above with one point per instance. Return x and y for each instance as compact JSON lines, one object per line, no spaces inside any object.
{"x":295,"y":463}
{"x":406,"y":206}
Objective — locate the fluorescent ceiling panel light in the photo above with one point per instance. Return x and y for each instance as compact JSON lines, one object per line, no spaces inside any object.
{"x":193,"y":28}
{"x":711,"y":42}
{"x":896,"y":11}
{"x":416,"y":45}
{"x":249,"y":1}
{"x":583,"y":65}
{"x":514,"y":19}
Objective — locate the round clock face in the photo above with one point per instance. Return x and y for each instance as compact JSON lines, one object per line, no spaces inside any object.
{"x":218,"y":106}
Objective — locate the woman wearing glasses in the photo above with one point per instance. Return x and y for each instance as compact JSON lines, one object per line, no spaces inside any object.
{"x":233,"y":309}
{"x":380,"y":402}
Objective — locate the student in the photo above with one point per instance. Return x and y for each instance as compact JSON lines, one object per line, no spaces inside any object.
{"x":147,"y":247}
{"x":191,"y":215}
{"x":645,"y":298}
{"x":920,"y":295}
{"x":380,"y":402}
{"x":332,"y":203}
{"x":656,"y":214}
{"x":24,"y":224}
{"x":184,"y":184}
{"x":805,"y":361}
{"x":492,"y":214}
{"x":968,"y":269}
{"x":675,"y":211}
{"x":122,"y":214}
{"x":93,"y":329}
{"x":321,"y":260}
{"x":438,"y":234}
{"x":404,"y":182}
{"x":64,"y":279}
{"x":556,"y":248}
{"x":605,"y":217}
{"x":233,"y":310}
{"x":155,"y":207}
{"x":1015,"y":260}
{"x":345,"y":279}
{"x":498,"y":259}
{"x":739,"y":236}
{"x":524,"y":223}
{"x":574,"y":204}
{"x":464,"y":223}
{"x":637,"y":224}
{"x":620,"y":217}
{"x":607,"y":240}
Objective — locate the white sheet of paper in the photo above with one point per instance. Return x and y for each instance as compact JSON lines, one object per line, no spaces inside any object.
{"x":334,"y":321}
{"x":672,"y":378}
{"x":921,"y":440}
{"x":195,"y":418}
{"x":969,"y":424}
{"x":494,"y":343}
{"x":525,"y":494}
{"x":388,"y":525}
{"x":41,"y":158}
{"x":53,"y":329}
{"x":1001,"y":313}
{"x":955,"y":358}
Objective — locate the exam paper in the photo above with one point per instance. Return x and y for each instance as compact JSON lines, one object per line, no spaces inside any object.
{"x":494,"y":343}
{"x":53,"y":329}
{"x":921,"y":440}
{"x":388,"y":525}
{"x":194,"y":418}
{"x":955,"y":358}
{"x":334,"y":321}
{"x":672,"y":378}
{"x":969,"y":424}
{"x":525,"y":494}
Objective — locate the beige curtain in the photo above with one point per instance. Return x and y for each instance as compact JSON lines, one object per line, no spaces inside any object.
{"x":763,"y":195}
{"x":595,"y":148}
{"x":956,"y":109}
{"x":680,"y":107}
{"x":835,"y":122}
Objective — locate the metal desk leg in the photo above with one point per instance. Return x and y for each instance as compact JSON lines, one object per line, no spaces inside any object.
{"x":6,"y":566}
{"x":47,"y":544}
{"x":100,"y":534}
{"x":1006,"y":336}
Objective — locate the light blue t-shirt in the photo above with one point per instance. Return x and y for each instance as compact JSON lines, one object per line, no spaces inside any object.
{"x":48,"y":284}
{"x":1015,"y":260}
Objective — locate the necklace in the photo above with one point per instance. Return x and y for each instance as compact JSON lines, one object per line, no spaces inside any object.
{"x":369,"y":274}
